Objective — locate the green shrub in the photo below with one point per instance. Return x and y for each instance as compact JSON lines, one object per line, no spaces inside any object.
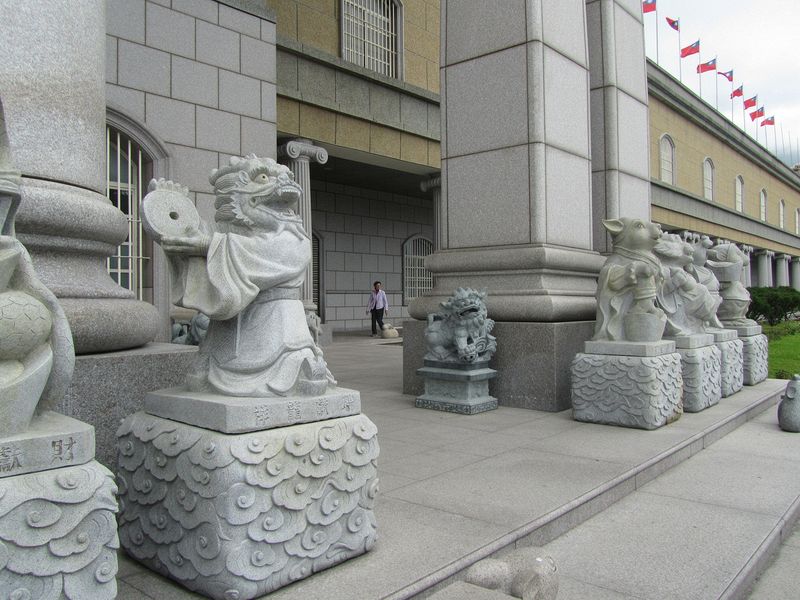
{"x":773,"y":305}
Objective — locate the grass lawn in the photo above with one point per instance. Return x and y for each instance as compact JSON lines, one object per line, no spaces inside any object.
{"x":784,"y":349}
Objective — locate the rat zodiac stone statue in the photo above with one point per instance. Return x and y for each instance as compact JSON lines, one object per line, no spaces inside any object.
{"x":460,"y":345}
{"x":789,"y":408}
{"x":627,"y":375}
{"x":461,"y":332}
{"x":260,"y":470}
{"x":58,"y":535}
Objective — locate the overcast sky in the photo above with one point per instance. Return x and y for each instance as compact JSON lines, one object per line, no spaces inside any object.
{"x":759,"y":40}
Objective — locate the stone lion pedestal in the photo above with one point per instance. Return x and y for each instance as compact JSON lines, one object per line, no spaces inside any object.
{"x":731,"y":360}
{"x":701,"y":368}
{"x":632,"y":384}
{"x":458,"y":388}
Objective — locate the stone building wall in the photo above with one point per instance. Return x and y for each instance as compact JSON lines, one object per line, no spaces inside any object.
{"x":361,"y":235}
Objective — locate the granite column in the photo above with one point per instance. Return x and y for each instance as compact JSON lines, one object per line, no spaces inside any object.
{"x":297,"y":155}
{"x":764,"y":267}
{"x":434,"y":185}
{"x":795,"y":271}
{"x":52,"y":74}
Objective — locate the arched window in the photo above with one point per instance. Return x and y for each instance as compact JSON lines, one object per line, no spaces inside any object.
{"x":762,"y":204}
{"x":797,"y":221}
{"x":708,"y":179}
{"x":416,"y":278}
{"x":782,"y":214}
{"x":129,"y":170}
{"x":666,"y":150}
{"x":739,"y":193}
{"x":372,"y":35}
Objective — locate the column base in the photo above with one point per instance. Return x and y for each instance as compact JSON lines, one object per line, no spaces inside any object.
{"x":239,"y":516}
{"x":59,"y":535}
{"x":643,"y":392}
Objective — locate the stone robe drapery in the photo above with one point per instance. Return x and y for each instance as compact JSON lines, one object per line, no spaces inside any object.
{"x":258,"y":343}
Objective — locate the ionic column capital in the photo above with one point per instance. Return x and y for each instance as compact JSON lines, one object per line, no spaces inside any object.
{"x":430,"y":184}
{"x":303,"y":149}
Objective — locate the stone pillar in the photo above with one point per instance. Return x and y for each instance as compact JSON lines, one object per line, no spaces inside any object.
{"x":52,"y":78}
{"x":620,"y":138}
{"x":747,"y":279}
{"x":764,"y":267}
{"x":434,"y":184}
{"x":516,"y":187}
{"x":297,"y":155}
{"x":782,"y":270}
{"x":795,"y":269}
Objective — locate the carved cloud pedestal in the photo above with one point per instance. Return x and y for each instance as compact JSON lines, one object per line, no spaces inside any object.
{"x":632,"y":384}
{"x":701,"y":368}
{"x":458,"y":388}
{"x":755,"y":353}
{"x":58,"y":534}
{"x":236,"y":516}
{"x":732,"y":360}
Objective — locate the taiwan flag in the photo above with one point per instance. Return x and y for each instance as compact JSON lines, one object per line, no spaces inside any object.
{"x":674,"y":23}
{"x":751,"y":102}
{"x":727,"y":75}
{"x":768,"y":121}
{"x":648,"y":6}
{"x":707,"y":66}
{"x":737,"y":92}
{"x":690,"y":49}
{"x":757,"y":114}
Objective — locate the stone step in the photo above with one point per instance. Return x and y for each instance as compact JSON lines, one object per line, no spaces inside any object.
{"x":705,"y":529}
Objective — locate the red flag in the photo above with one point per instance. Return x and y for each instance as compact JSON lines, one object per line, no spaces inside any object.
{"x":751,"y":102}
{"x":707,"y":66}
{"x":674,"y":23}
{"x":648,"y":6}
{"x":768,"y":121}
{"x":690,"y":49}
{"x":737,"y":92}
{"x":727,"y":75}
{"x":757,"y":114}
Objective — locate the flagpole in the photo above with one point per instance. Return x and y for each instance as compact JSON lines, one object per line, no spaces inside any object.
{"x":699,"y":77}
{"x":783,"y":143}
{"x":716,"y":89}
{"x":680,"y":60}
{"x":731,"y":99}
{"x":657,"y":34}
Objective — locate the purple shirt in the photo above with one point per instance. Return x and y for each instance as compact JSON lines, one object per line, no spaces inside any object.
{"x":378,"y":300}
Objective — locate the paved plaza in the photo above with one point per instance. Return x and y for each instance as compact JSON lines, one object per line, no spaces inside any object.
{"x":455,"y":489}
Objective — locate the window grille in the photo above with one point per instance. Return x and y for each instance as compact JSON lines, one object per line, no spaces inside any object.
{"x":763,"y":205}
{"x":371,"y":35}
{"x":708,"y":179}
{"x":126,"y":162}
{"x":739,"y":193}
{"x":315,"y":272}
{"x":667,"y":159}
{"x":416,"y":278}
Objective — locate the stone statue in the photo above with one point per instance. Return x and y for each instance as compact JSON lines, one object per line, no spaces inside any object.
{"x":689,"y":306}
{"x":246,"y":277}
{"x":699,"y":269}
{"x":522,"y":573}
{"x":727,"y":261}
{"x":461,"y":332}
{"x":789,"y":408}
{"x":191,"y":333}
{"x":626,"y":288}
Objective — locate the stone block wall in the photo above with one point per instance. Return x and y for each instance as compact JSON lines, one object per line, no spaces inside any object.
{"x":361,"y":235}
{"x":200,"y":75}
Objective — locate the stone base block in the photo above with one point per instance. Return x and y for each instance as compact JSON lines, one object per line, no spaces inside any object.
{"x":58,"y":534}
{"x":239,"y":415}
{"x":51,"y":441}
{"x":532,"y":361}
{"x":702,"y":377}
{"x":732,"y":360}
{"x":641,"y":392}
{"x":239,"y":516}
{"x":458,"y":389}
{"x":629,"y":348}
{"x":107,"y":387}
{"x":755,"y":353}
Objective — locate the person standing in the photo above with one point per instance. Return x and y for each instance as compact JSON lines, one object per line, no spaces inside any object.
{"x":378,"y":306}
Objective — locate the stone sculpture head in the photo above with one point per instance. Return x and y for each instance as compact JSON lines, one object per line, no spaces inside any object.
{"x":460,"y":331}
{"x":633,"y":234}
{"x":674,"y":251}
{"x":700,"y":246}
{"x":255,"y":193}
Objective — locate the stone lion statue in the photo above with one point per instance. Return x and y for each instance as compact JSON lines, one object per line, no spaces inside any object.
{"x":245,"y":276}
{"x":461,"y":332}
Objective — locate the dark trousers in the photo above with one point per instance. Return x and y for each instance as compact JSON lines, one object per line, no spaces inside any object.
{"x":377,"y":317}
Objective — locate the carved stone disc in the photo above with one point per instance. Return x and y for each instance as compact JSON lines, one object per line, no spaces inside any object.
{"x":168,"y":213}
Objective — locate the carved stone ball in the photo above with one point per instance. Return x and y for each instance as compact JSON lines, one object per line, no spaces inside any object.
{"x":25,"y":323}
